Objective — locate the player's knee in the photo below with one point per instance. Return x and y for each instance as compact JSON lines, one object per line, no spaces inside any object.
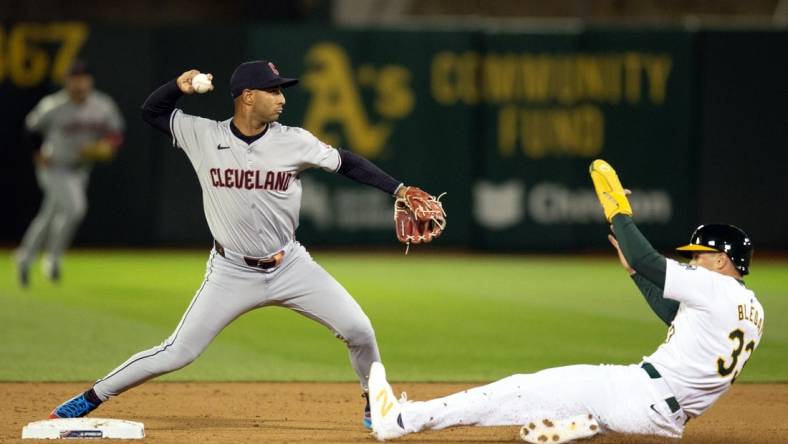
{"x":79,"y":211}
{"x":360,"y":333}
{"x":180,"y":356}
{"x":75,"y":213}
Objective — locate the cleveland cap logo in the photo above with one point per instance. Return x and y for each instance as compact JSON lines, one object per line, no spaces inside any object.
{"x":273,"y":68}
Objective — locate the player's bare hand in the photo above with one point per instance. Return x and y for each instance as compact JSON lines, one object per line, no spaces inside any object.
{"x":185,"y":81}
{"x":621,"y":258}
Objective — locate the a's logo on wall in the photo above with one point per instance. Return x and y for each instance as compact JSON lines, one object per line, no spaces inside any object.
{"x":336,"y":112}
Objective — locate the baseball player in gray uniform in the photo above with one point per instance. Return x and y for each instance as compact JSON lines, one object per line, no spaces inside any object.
{"x":79,"y":125}
{"x":715,"y":323}
{"x":248,"y":168}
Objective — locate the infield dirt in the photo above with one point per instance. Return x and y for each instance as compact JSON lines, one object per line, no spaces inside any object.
{"x":331,"y":412}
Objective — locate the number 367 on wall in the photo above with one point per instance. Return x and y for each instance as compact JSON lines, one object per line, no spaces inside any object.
{"x":33,"y":53}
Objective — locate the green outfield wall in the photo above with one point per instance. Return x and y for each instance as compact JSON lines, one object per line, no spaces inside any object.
{"x":505,"y":123}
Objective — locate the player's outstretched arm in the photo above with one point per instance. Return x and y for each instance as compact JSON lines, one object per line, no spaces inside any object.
{"x":637,"y":256}
{"x":665,"y":309}
{"x":637,"y":250}
{"x":418,"y":216}
{"x":646,"y":264}
{"x":363,"y":171}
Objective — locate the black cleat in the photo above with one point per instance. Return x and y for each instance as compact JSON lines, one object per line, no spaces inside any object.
{"x":22,"y":272}
{"x":24,"y":276}
{"x":54,"y":275}
{"x":51,"y":270}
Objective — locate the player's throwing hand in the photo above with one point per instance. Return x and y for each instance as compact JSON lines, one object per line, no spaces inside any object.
{"x":185,"y":81}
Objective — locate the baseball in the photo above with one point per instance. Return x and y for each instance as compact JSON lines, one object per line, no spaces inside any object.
{"x":201,"y":83}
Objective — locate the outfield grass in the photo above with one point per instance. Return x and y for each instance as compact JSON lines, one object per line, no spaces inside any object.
{"x":437,"y":318}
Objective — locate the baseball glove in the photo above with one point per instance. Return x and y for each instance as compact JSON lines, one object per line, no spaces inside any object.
{"x":419,"y":217}
{"x":612,"y":196}
{"x":99,"y":151}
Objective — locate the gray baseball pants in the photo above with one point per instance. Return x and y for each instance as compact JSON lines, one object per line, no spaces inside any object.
{"x":63,"y":208}
{"x":230,"y":290}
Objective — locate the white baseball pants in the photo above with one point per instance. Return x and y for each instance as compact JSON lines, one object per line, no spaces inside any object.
{"x":621,"y":398}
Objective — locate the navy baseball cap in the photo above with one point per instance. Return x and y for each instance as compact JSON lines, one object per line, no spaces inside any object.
{"x":257,"y":74}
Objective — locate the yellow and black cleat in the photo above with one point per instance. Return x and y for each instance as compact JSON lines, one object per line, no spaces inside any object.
{"x":608,"y":189}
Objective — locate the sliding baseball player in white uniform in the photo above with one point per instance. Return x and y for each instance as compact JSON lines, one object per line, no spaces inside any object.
{"x":79,"y":126}
{"x":715,"y":325}
{"x":249,"y":167}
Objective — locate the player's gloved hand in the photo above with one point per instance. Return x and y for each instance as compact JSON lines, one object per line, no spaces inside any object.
{"x":99,"y":151}
{"x":419,"y":217}
{"x":611,"y":194}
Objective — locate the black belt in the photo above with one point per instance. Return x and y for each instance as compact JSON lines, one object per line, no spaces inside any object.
{"x":263,"y":263}
{"x":654,"y":374}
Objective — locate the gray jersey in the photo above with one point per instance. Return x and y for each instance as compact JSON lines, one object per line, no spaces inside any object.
{"x":251,"y":193}
{"x":252,"y":199}
{"x":67,"y":127}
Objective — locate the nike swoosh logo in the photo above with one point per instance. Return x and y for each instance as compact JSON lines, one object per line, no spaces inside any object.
{"x":219,"y":147}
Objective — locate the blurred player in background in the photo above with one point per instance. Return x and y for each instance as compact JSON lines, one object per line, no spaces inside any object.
{"x":715,"y":325}
{"x":78,"y":127}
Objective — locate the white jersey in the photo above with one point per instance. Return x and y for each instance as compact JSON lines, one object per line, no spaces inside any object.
{"x":251,"y":193}
{"x":718,"y":325}
{"x":67,"y":127}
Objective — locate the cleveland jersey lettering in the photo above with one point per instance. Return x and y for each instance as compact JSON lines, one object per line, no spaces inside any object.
{"x":264,"y":217}
{"x":251,"y":180}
